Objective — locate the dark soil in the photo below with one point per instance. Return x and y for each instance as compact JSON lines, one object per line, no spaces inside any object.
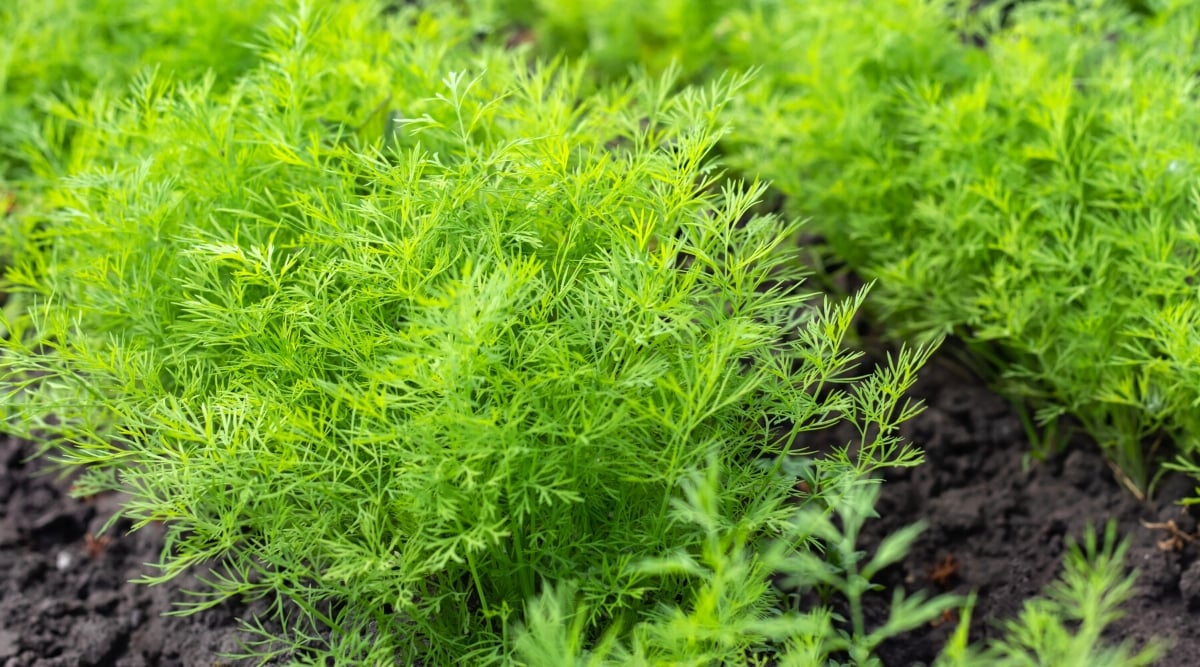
{"x":998,"y":526}
{"x":65,"y":600}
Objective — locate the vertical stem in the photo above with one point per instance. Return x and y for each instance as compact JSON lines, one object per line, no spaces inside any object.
{"x":525,"y":571}
{"x":483,"y":603}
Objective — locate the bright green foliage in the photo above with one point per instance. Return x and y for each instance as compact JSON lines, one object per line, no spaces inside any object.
{"x":1033,"y":196}
{"x":50,"y":46}
{"x":402,"y":330}
{"x":729,"y":620}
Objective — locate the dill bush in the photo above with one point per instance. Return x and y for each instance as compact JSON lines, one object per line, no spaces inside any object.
{"x":1035,"y":197}
{"x":51,"y":46}
{"x":1025,"y":184}
{"x":455,"y":358}
{"x":401,"y":333}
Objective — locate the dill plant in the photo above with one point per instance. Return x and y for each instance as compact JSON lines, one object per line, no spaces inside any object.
{"x":92,"y":47}
{"x":1025,"y":185}
{"x":82,"y":45}
{"x":1034,"y":196}
{"x":402,"y":333}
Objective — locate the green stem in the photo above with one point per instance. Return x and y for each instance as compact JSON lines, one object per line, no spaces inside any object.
{"x":483,"y":603}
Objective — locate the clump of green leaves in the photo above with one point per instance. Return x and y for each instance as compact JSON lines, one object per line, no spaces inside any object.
{"x":399,"y":332}
{"x":83,"y":45}
{"x":737,"y":616}
{"x":1033,"y":196}
{"x":1025,"y":185}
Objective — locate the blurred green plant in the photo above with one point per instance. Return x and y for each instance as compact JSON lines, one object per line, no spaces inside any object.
{"x":1026,"y":185}
{"x":656,"y":35}
{"x":50,"y":47}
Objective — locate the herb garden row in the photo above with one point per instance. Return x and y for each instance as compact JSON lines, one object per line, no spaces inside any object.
{"x":538,"y":332}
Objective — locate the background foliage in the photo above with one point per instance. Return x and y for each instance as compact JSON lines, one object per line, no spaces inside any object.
{"x":77,"y":48}
{"x":1022,"y":178}
{"x":84,"y":45}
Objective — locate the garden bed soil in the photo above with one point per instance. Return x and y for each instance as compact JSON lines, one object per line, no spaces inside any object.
{"x":998,"y":524}
{"x":995,"y":526}
{"x":65,"y":596}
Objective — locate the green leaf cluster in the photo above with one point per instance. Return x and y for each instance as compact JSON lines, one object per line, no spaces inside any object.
{"x":1034,"y":196}
{"x":458,"y":358}
{"x":730,"y":621}
{"x":1022,"y":178}
{"x":397,"y":330}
